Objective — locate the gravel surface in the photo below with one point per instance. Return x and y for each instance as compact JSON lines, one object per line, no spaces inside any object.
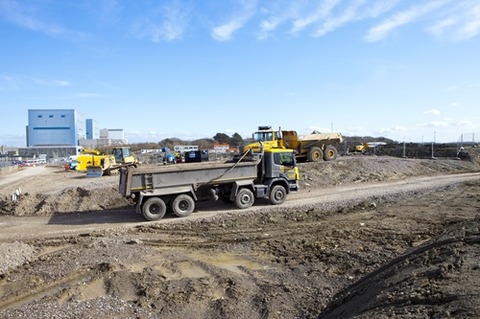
{"x":366,"y":237}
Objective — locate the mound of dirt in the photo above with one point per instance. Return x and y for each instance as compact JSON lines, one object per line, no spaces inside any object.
{"x":75,"y":199}
{"x":14,"y":254}
{"x":358,"y":169}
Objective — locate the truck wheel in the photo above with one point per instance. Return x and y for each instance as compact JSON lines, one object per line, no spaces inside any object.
{"x":154,"y":208}
{"x":330,"y":153}
{"x":315,"y":154}
{"x":244,"y":198}
{"x":183,"y":205}
{"x":278,"y":194}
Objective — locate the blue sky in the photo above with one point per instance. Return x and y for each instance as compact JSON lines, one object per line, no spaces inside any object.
{"x":404,"y":69}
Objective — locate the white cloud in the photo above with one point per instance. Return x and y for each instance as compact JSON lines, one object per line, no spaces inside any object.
{"x":164,"y":23}
{"x":380,"y":7}
{"x":399,"y":19}
{"x":27,"y":16}
{"x":347,"y":16}
{"x":450,"y":123}
{"x":8,"y":83}
{"x":225,"y":31}
{"x":59,"y":83}
{"x":277,"y":15}
{"x":460,"y":22}
{"x":317,"y":128}
{"x":432,"y":112}
{"x":323,"y":10}
{"x":176,"y":18}
{"x":436,"y":124}
{"x":464,"y":123}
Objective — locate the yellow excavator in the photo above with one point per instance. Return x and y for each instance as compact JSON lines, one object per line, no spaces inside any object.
{"x":97,"y":164}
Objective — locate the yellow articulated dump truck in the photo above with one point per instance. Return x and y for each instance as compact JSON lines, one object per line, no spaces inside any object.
{"x":312,"y":147}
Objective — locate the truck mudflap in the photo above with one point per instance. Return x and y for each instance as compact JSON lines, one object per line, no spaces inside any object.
{"x":125,"y":181}
{"x":238,"y":185}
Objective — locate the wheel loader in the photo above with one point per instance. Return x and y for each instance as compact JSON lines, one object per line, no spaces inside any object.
{"x":311,"y":147}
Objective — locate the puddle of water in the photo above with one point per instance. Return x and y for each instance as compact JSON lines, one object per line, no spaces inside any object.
{"x":235,"y":263}
{"x":92,"y":290}
{"x":186,"y":267}
{"x":48,"y":250}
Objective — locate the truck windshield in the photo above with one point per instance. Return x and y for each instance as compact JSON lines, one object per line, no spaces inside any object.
{"x":263,"y":136}
{"x":120,"y":154}
{"x":286,"y":159}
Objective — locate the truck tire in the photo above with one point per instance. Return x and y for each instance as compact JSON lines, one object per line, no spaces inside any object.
{"x":244,"y":198}
{"x":278,"y":194}
{"x":315,"y":154}
{"x":154,"y":208}
{"x":330,"y":153}
{"x":183,"y":205}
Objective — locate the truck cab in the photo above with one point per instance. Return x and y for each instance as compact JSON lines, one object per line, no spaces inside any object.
{"x":265,"y":138}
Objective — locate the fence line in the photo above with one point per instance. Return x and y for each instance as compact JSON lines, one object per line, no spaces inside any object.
{"x":466,"y":139}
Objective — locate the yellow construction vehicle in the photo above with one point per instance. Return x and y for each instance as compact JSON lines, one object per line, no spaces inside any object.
{"x":367,"y":148}
{"x":311,"y":147}
{"x":124,"y":156}
{"x":96,"y":163}
{"x":87,"y":157}
{"x":361,"y":148}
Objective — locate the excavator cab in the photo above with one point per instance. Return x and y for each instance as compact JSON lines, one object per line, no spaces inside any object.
{"x":123,"y":155}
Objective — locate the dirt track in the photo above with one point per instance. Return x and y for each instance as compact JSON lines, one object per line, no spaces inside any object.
{"x":365,"y":237}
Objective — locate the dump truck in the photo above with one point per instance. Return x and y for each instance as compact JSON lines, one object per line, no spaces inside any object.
{"x":311,"y":147}
{"x":270,"y":174}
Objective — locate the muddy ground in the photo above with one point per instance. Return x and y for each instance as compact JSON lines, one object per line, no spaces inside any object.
{"x":410,"y":254}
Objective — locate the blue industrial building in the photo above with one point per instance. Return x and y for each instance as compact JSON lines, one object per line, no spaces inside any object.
{"x":55,"y":127}
{"x":93,"y":131}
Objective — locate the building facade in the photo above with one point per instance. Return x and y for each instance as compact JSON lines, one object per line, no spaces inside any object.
{"x":93,"y":130}
{"x":55,"y":127}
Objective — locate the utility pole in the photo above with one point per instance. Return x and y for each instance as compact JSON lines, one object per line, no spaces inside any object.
{"x":433,"y":142}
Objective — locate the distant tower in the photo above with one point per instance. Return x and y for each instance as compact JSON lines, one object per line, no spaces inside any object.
{"x":93,"y":131}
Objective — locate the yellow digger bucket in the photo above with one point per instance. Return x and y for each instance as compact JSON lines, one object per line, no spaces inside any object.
{"x":94,"y":171}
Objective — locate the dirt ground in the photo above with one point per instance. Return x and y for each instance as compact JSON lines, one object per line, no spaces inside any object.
{"x":365,"y":237}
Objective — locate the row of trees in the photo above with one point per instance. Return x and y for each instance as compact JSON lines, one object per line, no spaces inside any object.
{"x":205,"y":143}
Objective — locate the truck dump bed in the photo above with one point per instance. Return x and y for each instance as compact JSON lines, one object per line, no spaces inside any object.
{"x":327,"y":138}
{"x":195,"y":174}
